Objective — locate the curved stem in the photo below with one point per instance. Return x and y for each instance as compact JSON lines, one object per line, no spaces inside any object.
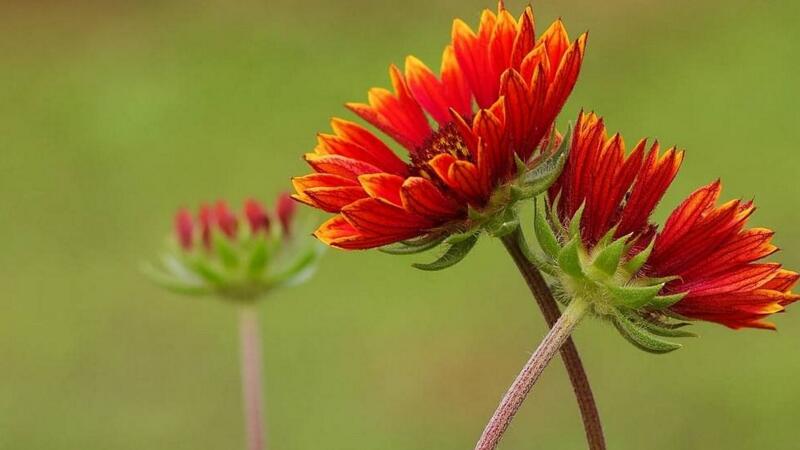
{"x":569,"y":354}
{"x":250,"y":340}
{"x":530,"y":374}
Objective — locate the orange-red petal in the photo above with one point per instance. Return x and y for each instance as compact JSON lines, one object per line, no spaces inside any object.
{"x":338,"y":232}
{"x":380,"y":155}
{"x":423,"y":198}
{"x":427,"y":89}
{"x":379,"y":217}
{"x":333,"y":199}
{"x":316,"y":180}
{"x":383,"y":185}
{"x":340,"y":165}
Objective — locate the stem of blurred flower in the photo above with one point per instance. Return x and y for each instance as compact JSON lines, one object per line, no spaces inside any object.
{"x":516,"y":394}
{"x":250,"y":340}
{"x":569,"y":354}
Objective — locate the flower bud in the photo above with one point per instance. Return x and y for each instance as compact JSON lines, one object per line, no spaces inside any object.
{"x":225,"y":219}
{"x":286,"y":209}
{"x":256,"y":216}
{"x":237,"y":264}
{"x":206,"y":219}
{"x":184,"y":228}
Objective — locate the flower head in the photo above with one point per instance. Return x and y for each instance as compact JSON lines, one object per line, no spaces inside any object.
{"x":601,"y":246}
{"x":493,"y":104}
{"x":236,"y":256}
{"x":716,"y":262}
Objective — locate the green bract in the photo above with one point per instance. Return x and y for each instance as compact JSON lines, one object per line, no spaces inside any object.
{"x":240,"y":268}
{"x":607,"y":276}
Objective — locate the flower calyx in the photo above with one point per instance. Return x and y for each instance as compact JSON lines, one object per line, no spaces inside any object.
{"x":608,"y":275}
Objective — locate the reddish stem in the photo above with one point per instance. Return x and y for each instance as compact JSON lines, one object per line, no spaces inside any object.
{"x":533,"y":369}
{"x":250,"y":340}
{"x":569,"y":354}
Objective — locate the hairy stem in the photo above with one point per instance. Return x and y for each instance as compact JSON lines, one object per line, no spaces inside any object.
{"x":569,"y":354}
{"x":250,"y":340}
{"x":522,"y":386}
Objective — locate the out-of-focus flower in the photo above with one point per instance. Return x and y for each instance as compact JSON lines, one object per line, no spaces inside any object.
{"x":235,"y":256}
{"x":601,"y":247}
{"x":465,"y":172}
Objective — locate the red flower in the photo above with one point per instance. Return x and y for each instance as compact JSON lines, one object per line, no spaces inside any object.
{"x":615,"y":189}
{"x":717,"y":260}
{"x":704,"y":251}
{"x":519,"y":84}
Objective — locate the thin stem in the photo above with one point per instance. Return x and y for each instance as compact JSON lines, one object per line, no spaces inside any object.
{"x":569,"y":354}
{"x":530,"y":374}
{"x":250,"y":340}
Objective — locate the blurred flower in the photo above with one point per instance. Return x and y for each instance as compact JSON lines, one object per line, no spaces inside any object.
{"x":466,"y":171}
{"x":238,"y":257}
{"x":601,"y":247}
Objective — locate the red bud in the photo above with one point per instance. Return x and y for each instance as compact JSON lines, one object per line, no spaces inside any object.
{"x":256,"y":216}
{"x":286,"y":208}
{"x":184,"y":228}
{"x":225,"y":219}
{"x":206,"y":223}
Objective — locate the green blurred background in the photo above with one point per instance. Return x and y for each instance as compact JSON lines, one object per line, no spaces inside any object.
{"x":112,"y":114}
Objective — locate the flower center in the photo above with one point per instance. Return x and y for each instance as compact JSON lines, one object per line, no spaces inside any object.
{"x":446,"y":140}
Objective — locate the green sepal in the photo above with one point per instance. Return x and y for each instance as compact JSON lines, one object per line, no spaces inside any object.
{"x":641,"y":338}
{"x":637,"y":262}
{"x":458,"y":238}
{"x":177,"y":268}
{"x":503,"y":224}
{"x":207,"y":271}
{"x":419,"y":245}
{"x":520,"y":164}
{"x":608,"y":237}
{"x":475,"y":215}
{"x":258,"y":258}
{"x":663,"y":280}
{"x":505,"y":228}
{"x":664,"y":320}
{"x":564,"y":146}
{"x":575,"y":223}
{"x":301,"y":269}
{"x":453,"y":256}
{"x":533,"y":182}
{"x":224,"y":249}
{"x":569,"y":259}
{"x":544,"y":234}
{"x":516,"y":194}
{"x":658,"y":327}
{"x":174,"y":282}
{"x":543,"y":176}
{"x":665,"y":301}
{"x":547,"y":268}
{"x":552,"y":209}
{"x":633,"y":297}
{"x":607,"y":261}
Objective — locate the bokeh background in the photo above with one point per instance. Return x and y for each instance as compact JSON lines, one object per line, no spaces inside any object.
{"x":112,"y":114}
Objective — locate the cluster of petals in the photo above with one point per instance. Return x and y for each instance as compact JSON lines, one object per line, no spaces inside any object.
{"x":704,"y":248}
{"x":498,"y":94}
